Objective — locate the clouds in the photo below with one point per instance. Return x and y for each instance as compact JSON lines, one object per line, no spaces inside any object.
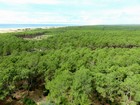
{"x":52,"y":2}
{"x":62,"y":2}
{"x":30,"y":1}
{"x":13,"y":17}
{"x":46,"y":17}
{"x":27,"y":17}
{"x":73,"y":12}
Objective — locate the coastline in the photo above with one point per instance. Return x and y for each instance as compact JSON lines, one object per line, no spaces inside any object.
{"x":9,"y":30}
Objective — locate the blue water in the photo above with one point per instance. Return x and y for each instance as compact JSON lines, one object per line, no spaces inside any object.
{"x":4,"y":26}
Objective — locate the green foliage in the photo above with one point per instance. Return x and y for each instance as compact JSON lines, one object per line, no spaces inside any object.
{"x":81,"y":87}
{"x":59,"y":88}
{"x":28,"y":101}
{"x":77,"y":65}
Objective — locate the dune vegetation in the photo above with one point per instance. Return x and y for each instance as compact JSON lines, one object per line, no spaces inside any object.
{"x":82,"y":65}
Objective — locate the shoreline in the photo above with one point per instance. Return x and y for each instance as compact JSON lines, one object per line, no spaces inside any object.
{"x":8,"y":30}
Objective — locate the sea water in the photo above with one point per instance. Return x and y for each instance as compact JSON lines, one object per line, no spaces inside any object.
{"x":7,"y":26}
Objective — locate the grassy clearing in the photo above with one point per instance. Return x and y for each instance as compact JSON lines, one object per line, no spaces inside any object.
{"x":38,"y":37}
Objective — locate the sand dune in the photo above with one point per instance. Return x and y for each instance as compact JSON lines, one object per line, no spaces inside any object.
{"x":7,"y":30}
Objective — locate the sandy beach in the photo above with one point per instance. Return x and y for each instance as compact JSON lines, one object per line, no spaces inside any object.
{"x":8,"y":30}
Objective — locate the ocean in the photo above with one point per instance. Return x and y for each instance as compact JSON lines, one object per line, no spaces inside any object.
{"x":8,"y":26}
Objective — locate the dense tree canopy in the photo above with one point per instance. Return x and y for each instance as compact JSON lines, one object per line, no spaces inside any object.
{"x":76,"y":65}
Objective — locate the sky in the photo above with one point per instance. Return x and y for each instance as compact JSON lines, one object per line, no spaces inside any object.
{"x":85,"y":12}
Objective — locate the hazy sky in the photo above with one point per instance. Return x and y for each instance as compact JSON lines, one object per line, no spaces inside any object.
{"x":70,"y":11}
